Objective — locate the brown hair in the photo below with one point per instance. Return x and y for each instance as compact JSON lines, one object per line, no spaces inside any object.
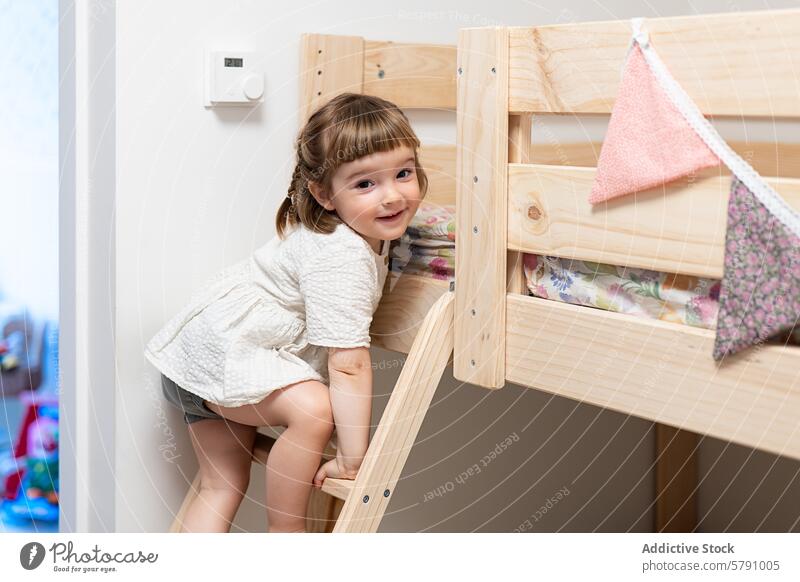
{"x":348,"y":127}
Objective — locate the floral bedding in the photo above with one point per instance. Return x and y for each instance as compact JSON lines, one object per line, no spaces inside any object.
{"x":427,"y":248}
{"x":677,"y":298}
{"x":650,"y":294}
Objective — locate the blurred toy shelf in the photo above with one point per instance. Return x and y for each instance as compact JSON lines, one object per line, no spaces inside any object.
{"x":28,"y":422}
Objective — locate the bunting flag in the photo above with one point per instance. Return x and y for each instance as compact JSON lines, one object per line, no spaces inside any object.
{"x":760,"y":290}
{"x":648,"y":142}
{"x":760,"y":294}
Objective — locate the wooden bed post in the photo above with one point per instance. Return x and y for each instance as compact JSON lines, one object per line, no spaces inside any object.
{"x":676,"y":479}
{"x":482,"y":206}
{"x":329,"y":65}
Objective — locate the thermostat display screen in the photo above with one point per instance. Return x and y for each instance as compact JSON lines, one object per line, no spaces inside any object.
{"x":231,"y":62}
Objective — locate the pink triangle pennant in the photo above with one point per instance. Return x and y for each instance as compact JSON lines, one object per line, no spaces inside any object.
{"x":648,"y":142}
{"x":760,"y":294}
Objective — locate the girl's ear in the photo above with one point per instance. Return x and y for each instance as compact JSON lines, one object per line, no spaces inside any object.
{"x":320,"y":195}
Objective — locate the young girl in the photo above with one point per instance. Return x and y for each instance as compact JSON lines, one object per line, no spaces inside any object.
{"x":261,"y":342}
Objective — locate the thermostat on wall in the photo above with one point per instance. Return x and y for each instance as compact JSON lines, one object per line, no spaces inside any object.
{"x":231,"y":79}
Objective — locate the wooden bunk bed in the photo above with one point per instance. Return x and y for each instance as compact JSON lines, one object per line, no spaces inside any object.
{"x":509,"y":205}
{"x":513,"y":198}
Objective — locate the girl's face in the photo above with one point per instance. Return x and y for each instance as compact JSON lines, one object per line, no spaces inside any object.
{"x":377,"y":195}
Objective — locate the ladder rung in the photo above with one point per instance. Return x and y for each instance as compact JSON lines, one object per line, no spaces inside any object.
{"x":339,"y":488}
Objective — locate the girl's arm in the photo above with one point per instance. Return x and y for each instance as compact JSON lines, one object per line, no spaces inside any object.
{"x":350,"y":372}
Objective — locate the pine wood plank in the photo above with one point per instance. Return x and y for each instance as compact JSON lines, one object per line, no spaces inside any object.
{"x":482,"y":155}
{"x":405,"y":303}
{"x":329,"y":65}
{"x":656,"y":370}
{"x":678,"y":229}
{"x":676,"y":479}
{"x":398,"y":428}
{"x":411,"y":75}
{"x":736,"y":64}
{"x":439,"y":162}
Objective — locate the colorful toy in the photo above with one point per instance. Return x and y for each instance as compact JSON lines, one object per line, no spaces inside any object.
{"x":9,"y":348}
{"x":31,"y":492}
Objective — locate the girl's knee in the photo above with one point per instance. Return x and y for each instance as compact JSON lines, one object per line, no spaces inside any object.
{"x":313,"y":408}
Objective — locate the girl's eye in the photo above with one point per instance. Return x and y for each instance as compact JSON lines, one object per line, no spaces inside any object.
{"x":405,"y":173}
{"x":364,"y":184}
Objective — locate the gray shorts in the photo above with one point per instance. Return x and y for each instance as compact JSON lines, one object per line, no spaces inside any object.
{"x":192,"y":405}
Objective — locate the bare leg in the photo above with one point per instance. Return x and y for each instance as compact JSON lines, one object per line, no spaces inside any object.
{"x":223,"y":452}
{"x":305,"y":410}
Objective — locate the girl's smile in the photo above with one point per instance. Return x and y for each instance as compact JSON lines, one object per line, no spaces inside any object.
{"x":392,"y":217}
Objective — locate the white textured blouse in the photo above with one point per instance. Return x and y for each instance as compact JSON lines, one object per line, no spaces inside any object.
{"x":267,"y":321}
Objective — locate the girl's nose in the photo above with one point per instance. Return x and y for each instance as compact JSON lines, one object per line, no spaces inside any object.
{"x":391,"y":196}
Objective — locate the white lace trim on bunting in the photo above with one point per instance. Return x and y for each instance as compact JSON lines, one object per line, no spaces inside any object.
{"x":740,"y":168}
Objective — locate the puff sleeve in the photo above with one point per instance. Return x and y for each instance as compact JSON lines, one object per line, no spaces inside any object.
{"x":338,"y":286}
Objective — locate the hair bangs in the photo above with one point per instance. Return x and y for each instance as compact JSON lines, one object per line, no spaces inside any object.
{"x":368,"y":130}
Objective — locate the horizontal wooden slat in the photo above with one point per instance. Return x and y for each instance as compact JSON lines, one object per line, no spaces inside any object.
{"x":742,"y":63}
{"x":439,"y":161}
{"x":411,"y":75}
{"x":405,"y":302}
{"x":678,"y":229}
{"x":655,"y":370}
{"x":768,"y":158}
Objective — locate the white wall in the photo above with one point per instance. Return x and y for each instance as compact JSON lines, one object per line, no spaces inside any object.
{"x":197,"y":190}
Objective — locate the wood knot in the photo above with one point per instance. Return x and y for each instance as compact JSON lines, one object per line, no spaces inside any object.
{"x":534,"y":212}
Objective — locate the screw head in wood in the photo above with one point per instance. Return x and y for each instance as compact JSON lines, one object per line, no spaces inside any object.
{"x":475,"y":229}
{"x":386,"y":493}
{"x":365,"y":499}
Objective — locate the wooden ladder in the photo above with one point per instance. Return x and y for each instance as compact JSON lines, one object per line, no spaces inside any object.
{"x":343,"y":505}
